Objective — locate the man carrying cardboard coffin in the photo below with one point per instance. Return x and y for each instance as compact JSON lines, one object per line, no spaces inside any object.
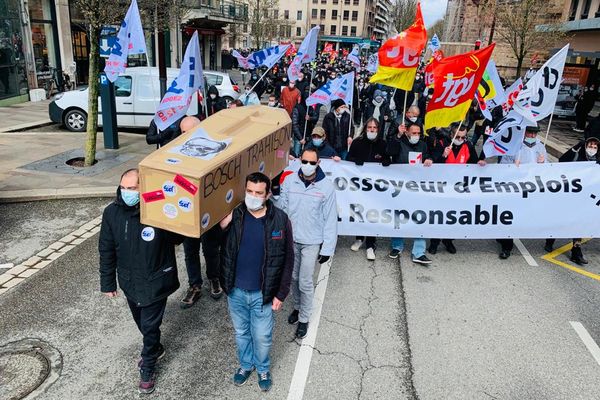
{"x":308,"y":198}
{"x":142,"y":259}
{"x":256,"y":269}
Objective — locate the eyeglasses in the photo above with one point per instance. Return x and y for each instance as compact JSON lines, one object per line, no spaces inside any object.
{"x":309,"y":162}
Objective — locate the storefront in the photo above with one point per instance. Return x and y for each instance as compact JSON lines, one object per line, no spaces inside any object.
{"x":44,"y":37}
{"x":13,"y":74}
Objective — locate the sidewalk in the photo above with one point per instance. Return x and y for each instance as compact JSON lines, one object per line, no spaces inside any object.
{"x":24,"y":115}
{"x":32,"y":165}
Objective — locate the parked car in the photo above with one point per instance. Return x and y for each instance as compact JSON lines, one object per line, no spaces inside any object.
{"x":137,"y":94}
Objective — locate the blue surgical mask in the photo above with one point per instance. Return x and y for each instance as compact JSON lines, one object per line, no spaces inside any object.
{"x":317,"y":142}
{"x":530,"y":140}
{"x":130,"y":197}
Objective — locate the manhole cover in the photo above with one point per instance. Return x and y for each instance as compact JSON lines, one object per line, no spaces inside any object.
{"x":27,"y":367}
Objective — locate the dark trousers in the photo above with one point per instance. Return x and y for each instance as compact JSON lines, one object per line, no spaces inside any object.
{"x":581,"y":118}
{"x":506,"y":244}
{"x":148,"y":320}
{"x":211,"y":244}
{"x":370,"y":241}
{"x":436,"y":242}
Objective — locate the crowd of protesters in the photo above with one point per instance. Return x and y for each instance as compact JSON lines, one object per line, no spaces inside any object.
{"x":264,"y":249}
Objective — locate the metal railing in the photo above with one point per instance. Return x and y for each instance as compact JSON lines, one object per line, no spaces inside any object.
{"x":230,"y":9}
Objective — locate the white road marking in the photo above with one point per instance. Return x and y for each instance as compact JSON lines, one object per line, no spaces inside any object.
{"x":587,"y":340}
{"x":7,"y":266}
{"x":296,"y":391}
{"x":525,"y":253}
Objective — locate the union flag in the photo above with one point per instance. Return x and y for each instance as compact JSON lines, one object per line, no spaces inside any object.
{"x":399,"y":56}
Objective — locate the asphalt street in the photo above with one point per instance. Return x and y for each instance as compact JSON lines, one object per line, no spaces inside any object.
{"x":470,"y":326}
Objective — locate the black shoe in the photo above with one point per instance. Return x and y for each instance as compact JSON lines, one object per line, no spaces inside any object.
{"x":215,"y":289}
{"x":394,"y":253}
{"x":449,"y":246}
{"x":161,"y":355}
{"x":302,"y":330}
{"x":191,"y":297}
{"x":577,"y":256}
{"x":423,"y":260}
{"x":293,"y":318}
{"x":432,"y":249}
{"x":504,"y":254}
{"x":549,"y":246}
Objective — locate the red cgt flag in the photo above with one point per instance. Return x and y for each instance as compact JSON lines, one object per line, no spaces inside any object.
{"x":455,"y":79}
{"x":399,"y":56}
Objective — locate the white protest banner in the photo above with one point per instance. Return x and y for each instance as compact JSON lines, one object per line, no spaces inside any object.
{"x":354,"y":57}
{"x":306,"y":53}
{"x":467,"y":201}
{"x":177,"y":99}
{"x":130,"y":40}
{"x":507,"y":137}
{"x":542,"y":88}
{"x":338,"y":88}
{"x":512,"y":93}
{"x":434,"y":44}
{"x":373,"y":63}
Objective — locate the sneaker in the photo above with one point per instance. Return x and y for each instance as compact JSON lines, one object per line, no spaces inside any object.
{"x":549,"y":246}
{"x":215,"y":289}
{"x":504,"y":254}
{"x":241,"y":376}
{"x":577,"y":256}
{"x":264,"y":381}
{"x":394,"y":253}
{"x":302,"y":330}
{"x":147,"y":383}
{"x":356,"y":245}
{"x":578,"y":130}
{"x":191,"y":297}
{"x":432,"y":248}
{"x":449,"y":246}
{"x":421,"y":260}
{"x":293,"y":318}
{"x":371,"y":254}
{"x":161,"y":355}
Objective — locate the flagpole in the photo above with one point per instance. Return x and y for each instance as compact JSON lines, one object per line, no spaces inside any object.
{"x":548,"y":130}
{"x":312,"y":73}
{"x":457,"y":129}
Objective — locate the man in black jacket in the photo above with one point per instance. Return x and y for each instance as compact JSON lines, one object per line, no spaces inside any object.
{"x":256,"y":271}
{"x":142,"y":259}
{"x":214,"y":102}
{"x":160,"y":138}
{"x":338,"y":127}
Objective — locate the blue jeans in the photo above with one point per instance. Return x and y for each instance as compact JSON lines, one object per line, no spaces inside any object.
{"x":253,"y":325}
{"x":297,"y":148}
{"x":418,"y":249}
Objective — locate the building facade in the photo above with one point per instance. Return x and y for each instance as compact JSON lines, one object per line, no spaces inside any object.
{"x":41,"y":39}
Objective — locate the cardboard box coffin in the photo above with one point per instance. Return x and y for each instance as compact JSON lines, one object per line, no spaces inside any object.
{"x":190,"y":184}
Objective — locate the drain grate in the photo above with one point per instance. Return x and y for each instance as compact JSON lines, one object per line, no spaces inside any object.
{"x":27,"y":367}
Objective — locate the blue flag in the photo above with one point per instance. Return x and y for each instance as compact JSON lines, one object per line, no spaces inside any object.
{"x":339,"y":88}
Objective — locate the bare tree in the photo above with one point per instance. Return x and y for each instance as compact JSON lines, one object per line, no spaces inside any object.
{"x":265,"y":24}
{"x":527,"y":26}
{"x":438,"y":28}
{"x":99,"y":13}
{"x":404,"y":13}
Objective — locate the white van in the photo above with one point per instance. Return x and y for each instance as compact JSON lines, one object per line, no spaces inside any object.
{"x":137,"y":94}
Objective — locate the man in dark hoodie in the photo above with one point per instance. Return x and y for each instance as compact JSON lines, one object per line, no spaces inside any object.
{"x":586,"y":150}
{"x":142,"y":259}
{"x":409,"y":147}
{"x":339,"y":128}
{"x":302,"y":116}
{"x":214,"y":102}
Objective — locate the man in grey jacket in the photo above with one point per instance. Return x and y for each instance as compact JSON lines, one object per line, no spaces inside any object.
{"x":308,"y":198}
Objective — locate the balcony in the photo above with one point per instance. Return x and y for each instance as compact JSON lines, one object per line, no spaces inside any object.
{"x":218,"y":10}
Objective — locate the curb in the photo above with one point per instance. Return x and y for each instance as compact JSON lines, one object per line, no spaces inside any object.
{"x":19,"y":196}
{"x":27,"y":125}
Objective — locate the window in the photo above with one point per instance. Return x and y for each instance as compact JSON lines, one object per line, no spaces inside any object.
{"x":344,"y":30}
{"x":323,"y":1}
{"x":315,"y":1}
{"x":574,"y":6}
{"x":354,"y":15}
{"x":288,"y":31}
{"x":347,"y":2}
{"x":333,"y":14}
{"x":245,"y":28}
{"x":352,"y":31}
{"x":333,"y":30}
{"x":586,"y":9}
{"x":282,"y":30}
{"x":286,"y":14}
{"x":323,"y":14}
{"x":298,"y":31}
{"x":213,"y":79}
{"x":313,"y":13}
{"x":123,"y":86}
{"x":312,"y":25}
{"x":275,"y":14}
{"x":356,"y":2}
{"x":335,"y":1}
{"x":346,"y":15}
{"x":299,"y":16}
{"x":322,"y":27}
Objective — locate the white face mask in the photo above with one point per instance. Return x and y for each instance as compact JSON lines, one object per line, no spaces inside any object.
{"x":414,"y":139}
{"x":254,"y":203}
{"x":271,"y":104}
{"x":308,"y":170}
{"x":371,"y":135}
{"x":458,"y":142}
{"x":413,"y":119}
{"x":590,"y":151}
{"x":213,"y":96}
